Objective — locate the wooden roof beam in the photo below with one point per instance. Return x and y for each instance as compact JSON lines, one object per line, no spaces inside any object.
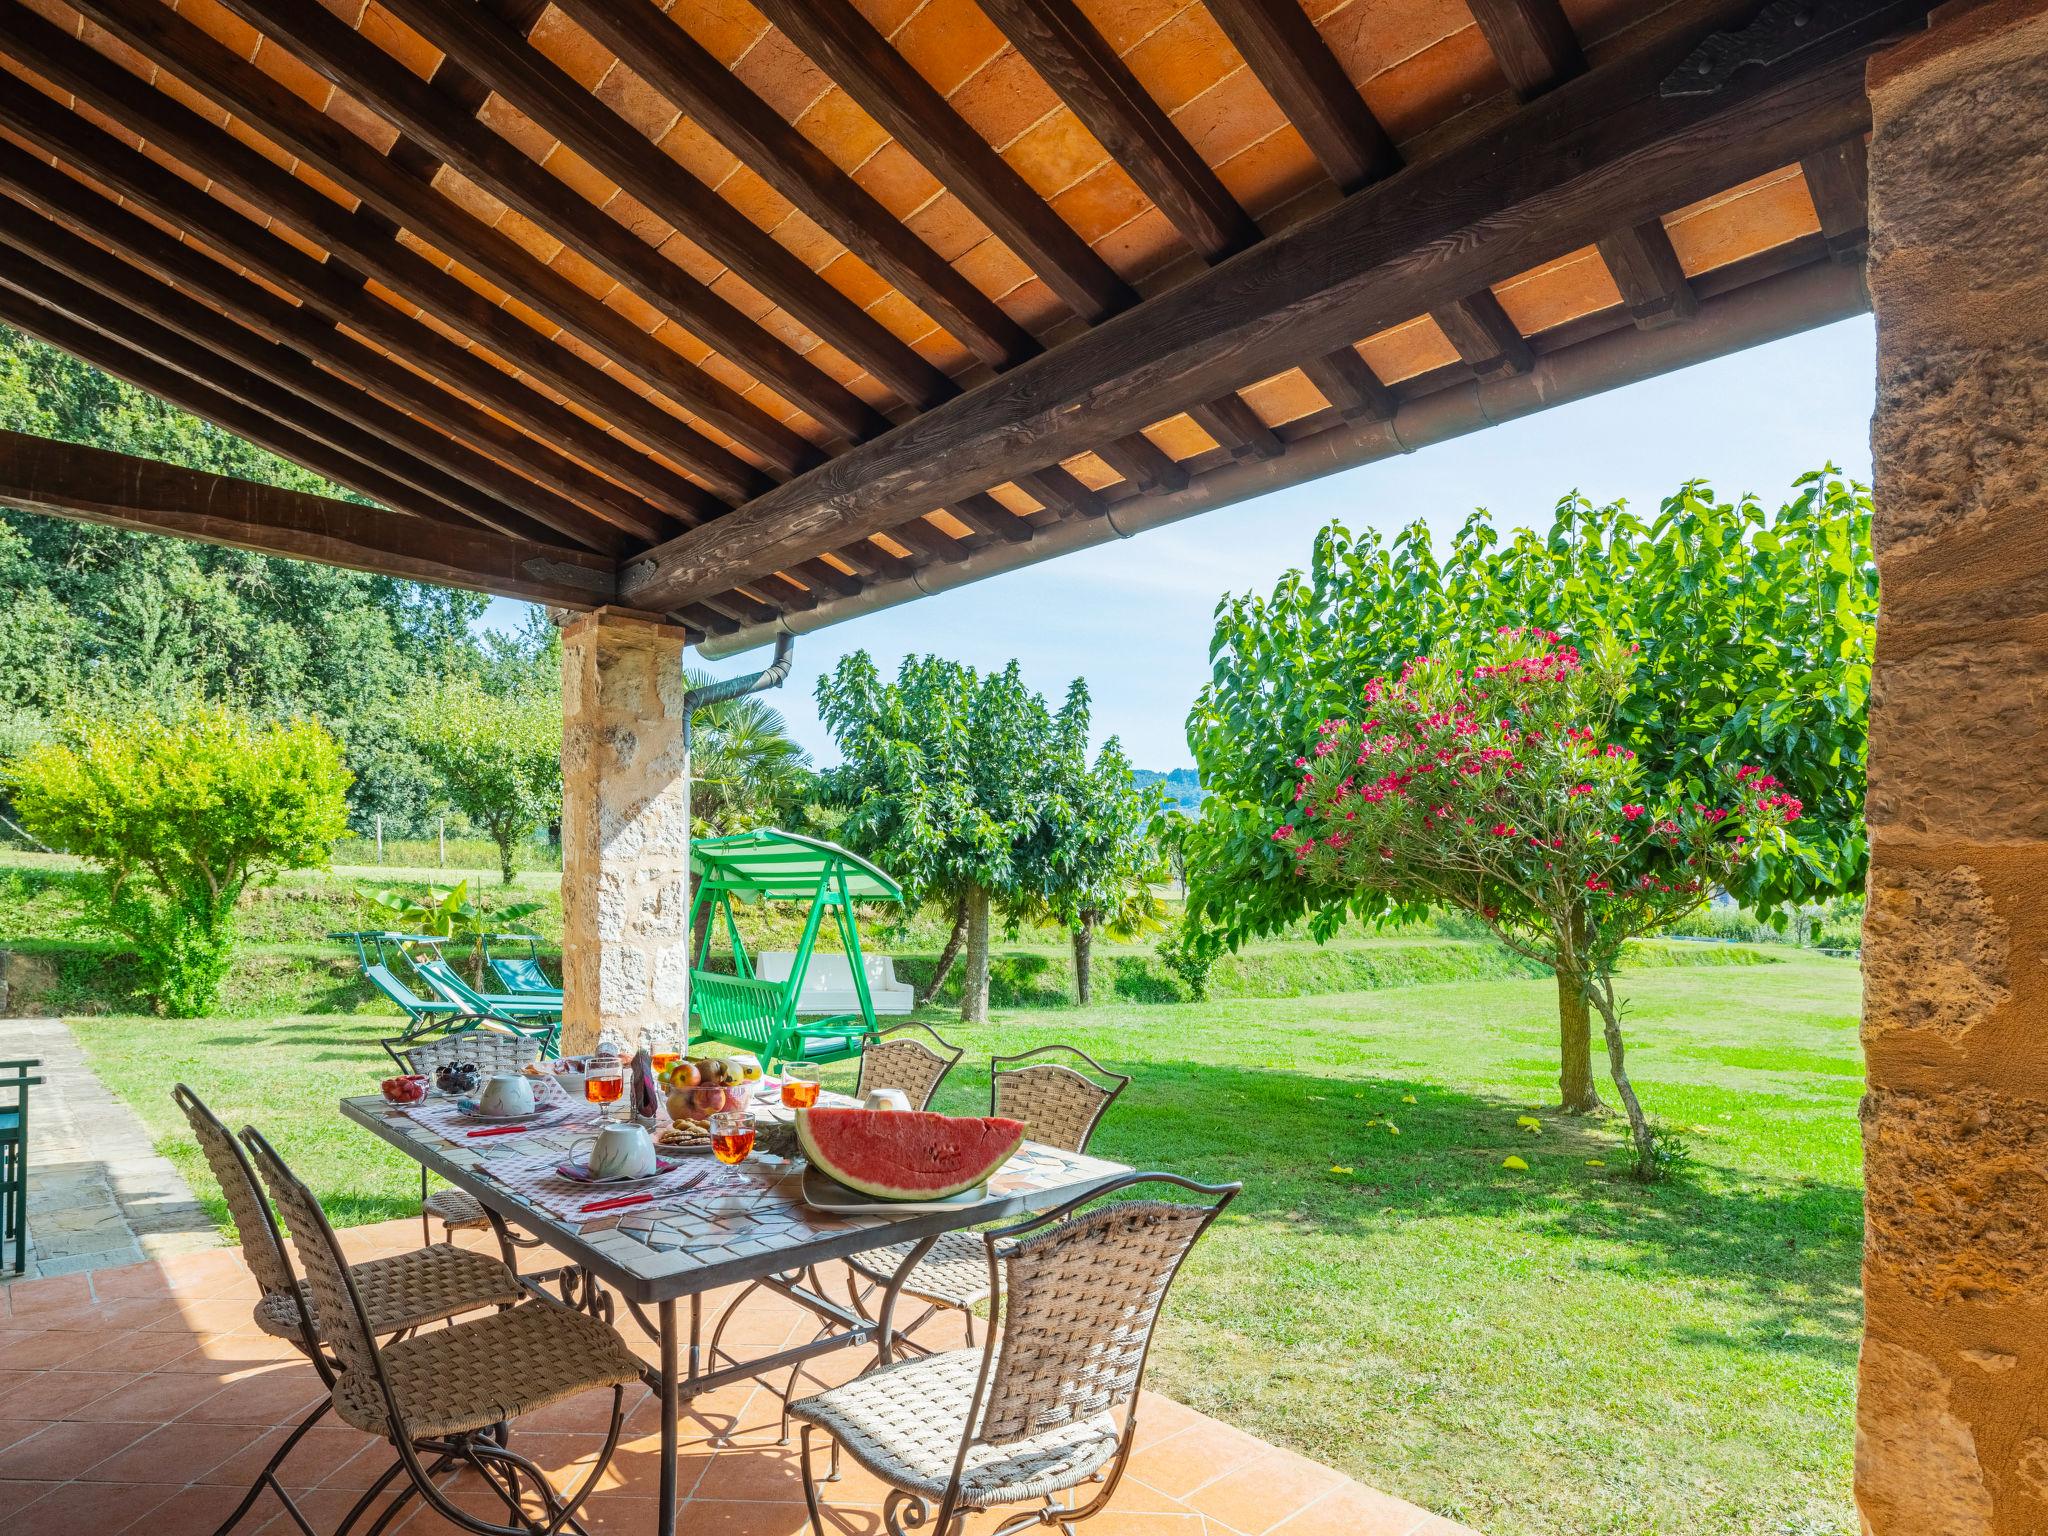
{"x":1347,"y":381}
{"x":392,"y":197}
{"x":987,"y":516}
{"x":501,"y":58}
{"x":1646,"y":270}
{"x":326,"y":44}
{"x":1484,"y":335}
{"x":1290,"y":58}
{"x":158,"y":360}
{"x":1601,"y":152}
{"x":310,"y":331}
{"x":119,"y":490}
{"x":672,"y":61}
{"x":1838,"y":179}
{"x":285,"y":367}
{"x":1533,"y":42}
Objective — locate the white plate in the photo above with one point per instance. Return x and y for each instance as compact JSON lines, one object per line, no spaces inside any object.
{"x":471,"y":1111}
{"x":825,"y":1193}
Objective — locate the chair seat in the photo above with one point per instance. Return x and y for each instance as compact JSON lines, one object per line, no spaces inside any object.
{"x":456,"y":1207}
{"x":824,"y":1045}
{"x":903,"y":1423}
{"x":406,"y":1291}
{"x":472,"y":1374}
{"x":953,"y":1274}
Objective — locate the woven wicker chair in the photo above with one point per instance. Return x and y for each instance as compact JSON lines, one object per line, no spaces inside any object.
{"x":975,"y":1429}
{"x":401,"y":1293}
{"x":893,"y":1059}
{"x":444,"y":1398}
{"x":492,"y":1050}
{"x":1060,"y":1107}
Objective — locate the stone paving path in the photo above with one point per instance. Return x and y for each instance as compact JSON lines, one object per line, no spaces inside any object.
{"x":98,"y":1193}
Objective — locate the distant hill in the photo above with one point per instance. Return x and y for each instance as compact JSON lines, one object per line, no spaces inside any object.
{"x":1182,"y":787}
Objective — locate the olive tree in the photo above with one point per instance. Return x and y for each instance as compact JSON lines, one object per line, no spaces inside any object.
{"x":178,"y":817}
{"x":1752,"y":632}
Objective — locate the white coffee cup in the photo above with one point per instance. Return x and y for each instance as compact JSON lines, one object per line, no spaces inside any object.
{"x":506,"y":1093}
{"x":620,"y":1152}
{"x":888,"y":1098}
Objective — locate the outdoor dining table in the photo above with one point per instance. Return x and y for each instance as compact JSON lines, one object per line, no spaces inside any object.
{"x":736,"y":1224}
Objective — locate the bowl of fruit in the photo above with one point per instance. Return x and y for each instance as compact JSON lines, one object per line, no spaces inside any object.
{"x":699,"y":1087}
{"x":407,"y":1088}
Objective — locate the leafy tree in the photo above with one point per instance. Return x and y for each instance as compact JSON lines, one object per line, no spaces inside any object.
{"x":498,"y":757}
{"x":1093,"y":862}
{"x":940,"y":781}
{"x":1753,"y":633}
{"x":180,"y":817}
{"x":1489,"y":782}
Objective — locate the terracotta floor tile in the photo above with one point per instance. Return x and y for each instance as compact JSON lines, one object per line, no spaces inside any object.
{"x":1354,"y":1508}
{"x":194,"y":1511}
{"x":131,"y":1280}
{"x":1270,"y":1488}
{"x":153,"y":1399}
{"x":54,"y":1394}
{"x":133,"y":1352}
{"x":226,"y":1354}
{"x":322,"y":1507}
{"x":1184,"y":1461}
{"x":53,"y":1293}
{"x":360,"y":1469}
{"x":278,"y":1396}
{"x":721,"y":1517}
{"x":213,"y":1316}
{"x":324,"y":1450}
{"x":76,"y":1509}
{"x":185,"y":1450}
{"x":13,"y":1430}
{"x":63,"y":1450}
{"x":22,"y":1492}
{"x":28,"y":1349}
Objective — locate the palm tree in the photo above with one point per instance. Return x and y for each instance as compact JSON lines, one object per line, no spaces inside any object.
{"x":745,"y":770}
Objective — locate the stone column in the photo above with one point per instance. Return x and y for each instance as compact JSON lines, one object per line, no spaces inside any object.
{"x":625,"y":829}
{"x":1952,"y":1411}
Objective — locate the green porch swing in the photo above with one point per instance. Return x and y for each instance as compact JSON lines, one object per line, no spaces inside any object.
{"x":742,"y":1009}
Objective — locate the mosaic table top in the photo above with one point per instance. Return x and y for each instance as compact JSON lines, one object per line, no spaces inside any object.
{"x":737,"y":1223}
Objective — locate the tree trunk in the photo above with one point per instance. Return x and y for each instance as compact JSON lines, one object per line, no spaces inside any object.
{"x":947,"y":955}
{"x":1576,"y":1093}
{"x":1638,"y":1123}
{"x":974,"y":995}
{"x":505,"y":848}
{"x":1084,"y":951}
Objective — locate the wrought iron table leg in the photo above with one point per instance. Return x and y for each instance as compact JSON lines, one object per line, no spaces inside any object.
{"x":665,"y":1519}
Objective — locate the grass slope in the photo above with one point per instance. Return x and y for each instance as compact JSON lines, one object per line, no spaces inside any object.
{"x":1556,"y":1351}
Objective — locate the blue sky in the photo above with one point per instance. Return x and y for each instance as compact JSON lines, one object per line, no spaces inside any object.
{"x":1134,"y":617}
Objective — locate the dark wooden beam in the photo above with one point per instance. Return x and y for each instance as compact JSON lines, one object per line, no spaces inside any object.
{"x":1142,"y":462}
{"x":1299,"y":72}
{"x":928,"y":542}
{"x":158,"y":360}
{"x":1347,"y":381}
{"x":1237,"y":427}
{"x":1058,"y":489}
{"x":287,"y":336}
{"x":501,"y":57}
{"x":820,"y":573}
{"x":62,"y":253}
{"x":1060,"y":43}
{"x":1646,"y":270}
{"x":325,"y":289}
{"x":672,"y":61}
{"x":985,"y":515}
{"x":1533,"y":42}
{"x":326,"y":44}
{"x":788,"y":594}
{"x":1601,"y":152}
{"x":1838,"y":179}
{"x":39,"y":474}
{"x":392,"y":197}
{"x":1484,"y":335}
{"x":841,"y":41}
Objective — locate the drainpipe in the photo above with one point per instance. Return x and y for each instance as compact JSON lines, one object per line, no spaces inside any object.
{"x":771,"y":676}
{"x":1763,"y":311}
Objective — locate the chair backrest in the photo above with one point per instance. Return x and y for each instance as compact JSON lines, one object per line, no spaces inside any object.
{"x":520,"y":974}
{"x":493,"y":1050}
{"x":1060,"y":1104}
{"x":381,"y":977}
{"x":444,"y":979}
{"x":344,"y":1321}
{"x":262,"y":1248}
{"x":894,"y":1059}
{"x":1081,"y":1291}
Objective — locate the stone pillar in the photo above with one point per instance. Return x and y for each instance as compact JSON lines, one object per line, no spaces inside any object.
{"x":1952,"y":1410}
{"x":625,"y":829}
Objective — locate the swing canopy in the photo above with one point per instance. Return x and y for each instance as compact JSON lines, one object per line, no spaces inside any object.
{"x":740,"y":1008}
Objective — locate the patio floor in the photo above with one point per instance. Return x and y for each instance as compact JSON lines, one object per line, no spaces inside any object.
{"x":142,"y":1399}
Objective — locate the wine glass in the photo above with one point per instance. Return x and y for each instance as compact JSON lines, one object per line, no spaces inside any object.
{"x":799,"y":1086}
{"x":605,"y":1083}
{"x":732,"y":1135}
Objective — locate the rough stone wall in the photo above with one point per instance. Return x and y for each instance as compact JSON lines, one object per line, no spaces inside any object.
{"x":1952,"y":1410}
{"x":625,"y":829}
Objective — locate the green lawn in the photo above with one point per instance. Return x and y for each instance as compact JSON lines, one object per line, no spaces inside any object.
{"x":1550,"y":1351}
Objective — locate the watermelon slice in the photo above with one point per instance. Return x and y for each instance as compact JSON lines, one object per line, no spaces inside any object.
{"x":905,"y":1155}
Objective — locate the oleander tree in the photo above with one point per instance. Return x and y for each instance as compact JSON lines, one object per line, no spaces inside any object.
{"x":1753,"y":630}
{"x":176,"y":818}
{"x":1492,"y":780}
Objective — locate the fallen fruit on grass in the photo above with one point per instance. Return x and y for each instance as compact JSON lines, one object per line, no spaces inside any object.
{"x":1407,"y":1098}
{"x":1529,"y":1122}
{"x":1515,"y":1163}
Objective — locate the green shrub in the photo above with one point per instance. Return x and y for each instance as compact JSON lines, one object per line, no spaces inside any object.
{"x":180,"y":817}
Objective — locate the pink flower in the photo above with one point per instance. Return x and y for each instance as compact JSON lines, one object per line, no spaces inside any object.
{"x":1503,"y":829}
{"x":1633,"y":812}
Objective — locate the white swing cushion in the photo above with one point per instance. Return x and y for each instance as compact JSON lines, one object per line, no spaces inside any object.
{"x":828,"y":983}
